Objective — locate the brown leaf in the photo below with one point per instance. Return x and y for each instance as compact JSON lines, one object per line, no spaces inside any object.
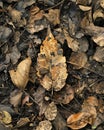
{"x":36,"y":21}
{"x":65,"y":95}
{"x":77,"y":121}
{"x":20,"y":77}
{"x":72,"y":43}
{"x":51,"y":66}
{"x":44,"y":125}
{"x":78,"y":59}
{"x":15,"y":14}
{"x":22,"y":122}
{"x":53,"y":16}
{"x":51,"y":111}
{"x":15,"y":97}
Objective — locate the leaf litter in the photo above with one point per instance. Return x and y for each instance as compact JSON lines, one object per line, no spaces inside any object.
{"x":60,"y":83}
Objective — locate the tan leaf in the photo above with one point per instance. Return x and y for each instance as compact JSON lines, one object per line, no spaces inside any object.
{"x":51,"y":66}
{"x":15,"y":98}
{"x":51,"y":111}
{"x":84,"y":8}
{"x":44,"y":125}
{"x":78,"y":59}
{"x":72,"y":43}
{"x":53,"y":16}
{"x":20,"y":77}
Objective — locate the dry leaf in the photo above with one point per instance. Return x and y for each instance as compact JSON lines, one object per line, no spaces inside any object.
{"x":99,"y":54}
{"x":15,"y":14}
{"x":20,"y":77}
{"x":44,"y":125}
{"x":36,"y":21}
{"x":39,"y":96}
{"x":72,"y":43}
{"x":78,"y":59}
{"x":22,"y":122}
{"x":53,"y":16}
{"x":65,"y":95}
{"x":5,"y":117}
{"x":102,"y":3}
{"x":51,"y":111}
{"x":15,"y":97}
{"x":51,"y":66}
{"x":77,"y":121}
{"x":98,"y":88}
{"x":98,"y":14}
{"x":84,"y":8}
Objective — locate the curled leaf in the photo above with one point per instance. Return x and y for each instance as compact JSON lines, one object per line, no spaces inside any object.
{"x":77,"y":121}
{"x":20,"y":77}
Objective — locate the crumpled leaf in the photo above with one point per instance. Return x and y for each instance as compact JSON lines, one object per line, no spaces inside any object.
{"x":20,"y":77}
{"x":5,"y":117}
{"x":51,"y":66}
{"x":77,"y":121}
{"x":86,"y":116}
{"x":53,"y":16}
{"x":15,"y":98}
{"x":36,"y":21}
{"x":44,"y":125}
{"x":51,"y":111}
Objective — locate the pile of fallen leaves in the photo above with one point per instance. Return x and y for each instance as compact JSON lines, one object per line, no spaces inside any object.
{"x":51,"y":64}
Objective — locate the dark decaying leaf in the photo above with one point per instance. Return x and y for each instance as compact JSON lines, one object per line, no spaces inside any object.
{"x":39,"y":99}
{"x":22,"y":122}
{"x":36,"y":20}
{"x":51,"y":66}
{"x":15,"y":98}
{"x":14,"y":55}
{"x":5,"y":33}
{"x":65,"y":95}
{"x":59,"y":122}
